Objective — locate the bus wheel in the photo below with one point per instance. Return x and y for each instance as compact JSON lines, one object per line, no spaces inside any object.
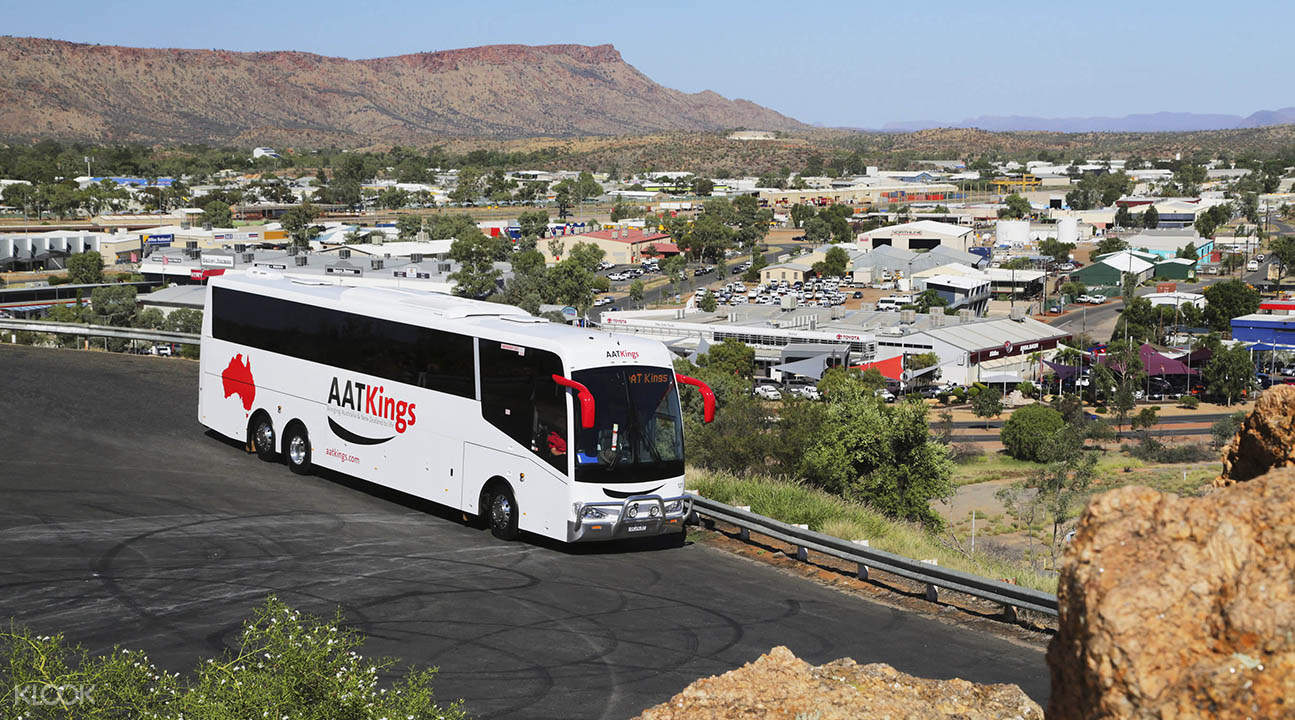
{"x":503,"y":515}
{"x":263,"y":437}
{"x":296,"y":448}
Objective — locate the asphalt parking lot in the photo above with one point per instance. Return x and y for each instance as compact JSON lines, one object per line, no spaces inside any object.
{"x":123,"y":522}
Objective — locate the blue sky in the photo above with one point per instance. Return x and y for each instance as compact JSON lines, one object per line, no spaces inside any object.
{"x":858,"y":64}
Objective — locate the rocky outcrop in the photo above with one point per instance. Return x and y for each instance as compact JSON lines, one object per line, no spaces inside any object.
{"x":780,"y":685}
{"x":55,"y":89}
{"x":1266,"y":439}
{"x":1180,"y":607}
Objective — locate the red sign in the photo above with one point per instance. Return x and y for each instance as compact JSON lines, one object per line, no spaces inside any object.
{"x":197,"y":274}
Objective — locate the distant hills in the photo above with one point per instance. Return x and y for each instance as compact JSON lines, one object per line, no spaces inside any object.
{"x":105,"y":93}
{"x":1143,"y":122}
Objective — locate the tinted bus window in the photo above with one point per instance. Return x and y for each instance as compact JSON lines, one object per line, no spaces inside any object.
{"x":519,"y":397}
{"x":433,"y":359}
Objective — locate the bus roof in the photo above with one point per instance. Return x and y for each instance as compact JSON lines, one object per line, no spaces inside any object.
{"x":581,"y":347}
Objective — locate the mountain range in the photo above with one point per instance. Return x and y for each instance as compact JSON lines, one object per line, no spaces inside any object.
{"x":1142,"y":122}
{"x":106,"y":93}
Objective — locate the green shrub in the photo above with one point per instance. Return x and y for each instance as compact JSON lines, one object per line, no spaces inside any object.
{"x":286,"y":664}
{"x":1028,"y":434}
{"x":1190,"y":402}
{"x":1100,"y":409}
{"x":1152,"y":450}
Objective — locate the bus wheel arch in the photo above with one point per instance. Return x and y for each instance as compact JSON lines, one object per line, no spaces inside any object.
{"x":260,"y":435}
{"x":296,"y":447}
{"x":498,"y":508}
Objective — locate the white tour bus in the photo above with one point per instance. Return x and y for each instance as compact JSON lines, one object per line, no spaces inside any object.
{"x":566,"y":432}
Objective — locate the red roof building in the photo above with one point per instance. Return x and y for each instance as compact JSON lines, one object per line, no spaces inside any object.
{"x":623,"y":246}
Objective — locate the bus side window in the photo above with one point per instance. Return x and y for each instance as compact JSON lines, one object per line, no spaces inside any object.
{"x":519,"y":397}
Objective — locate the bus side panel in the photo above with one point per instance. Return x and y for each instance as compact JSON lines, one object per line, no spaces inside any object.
{"x":542,"y":499}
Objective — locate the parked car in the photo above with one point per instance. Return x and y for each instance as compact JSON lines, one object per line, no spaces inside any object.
{"x":885,"y":394}
{"x":809,"y":392}
{"x":1252,"y":266}
{"x":1055,"y":309}
{"x":1097,"y":299}
{"x":768,"y":392}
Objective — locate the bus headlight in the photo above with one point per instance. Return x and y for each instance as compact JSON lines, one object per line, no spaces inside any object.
{"x":593,"y":513}
{"x":632,"y":511}
{"x":674,"y":506}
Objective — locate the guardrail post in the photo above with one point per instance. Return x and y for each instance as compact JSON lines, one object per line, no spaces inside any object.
{"x":802,"y":552}
{"x":1010,"y":613}
{"x":863,"y":569}
{"x":742,"y":532}
{"x":932,"y":593}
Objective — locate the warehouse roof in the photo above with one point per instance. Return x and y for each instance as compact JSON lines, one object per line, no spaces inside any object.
{"x":993,"y":333}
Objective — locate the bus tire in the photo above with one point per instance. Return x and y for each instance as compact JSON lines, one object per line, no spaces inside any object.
{"x":296,"y":448}
{"x":261,"y":436}
{"x":502,"y":514}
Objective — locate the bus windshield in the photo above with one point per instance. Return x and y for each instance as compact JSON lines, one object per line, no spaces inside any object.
{"x":638,"y":432}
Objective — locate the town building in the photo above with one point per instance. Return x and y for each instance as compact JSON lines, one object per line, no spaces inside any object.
{"x":920,"y":235}
{"x":1109,"y":269}
{"x":622,"y":245}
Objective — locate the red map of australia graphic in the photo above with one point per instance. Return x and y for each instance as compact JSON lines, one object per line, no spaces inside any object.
{"x":237,"y":379}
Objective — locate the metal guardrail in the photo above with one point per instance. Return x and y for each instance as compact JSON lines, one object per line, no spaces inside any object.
{"x":109,"y":331}
{"x":933,"y":576}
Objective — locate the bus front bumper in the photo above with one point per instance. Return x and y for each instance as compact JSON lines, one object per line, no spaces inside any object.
{"x":638,"y":516}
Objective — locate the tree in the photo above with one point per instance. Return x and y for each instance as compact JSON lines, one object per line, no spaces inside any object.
{"x":1015,"y":207}
{"x":1147,"y":418}
{"x":85,"y":268}
{"x":564,"y":194}
{"x":1187,"y":251}
{"x":928,"y":299}
{"x":114,"y":304}
{"x":1229,"y":373}
{"x":1283,"y":253}
{"x":571,"y":282}
{"x":800,"y":213}
{"x":1151,"y":218}
{"x":588,"y":255}
{"x":673,"y":268}
{"x":1073,"y":288}
{"x":408,"y":226}
{"x":730,"y":357}
{"x":1030,"y":431}
{"x":1123,"y":218}
{"x":702,"y":187}
{"x":444,"y":226}
{"x":217,"y":214}
{"x":1228,"y":299}
{"x":586,"y":187}
{"x":1057,"y":250}
{"x":882,"y":455}
{"x":477,"y":276}
{"x":185,"y":320}
{"x":835,"y":262}
{"x":298,"y":223}
{"x":708,"y":303}
{"x":987,"y":403}
{"x":1063,"y":486}
{"x":1111,"y":244}
{"x":468,"y":187}
{"x":393,"y":198}
{"x":636,"y":291}
{"x":534,"y":224}
{"x":817,"y":230}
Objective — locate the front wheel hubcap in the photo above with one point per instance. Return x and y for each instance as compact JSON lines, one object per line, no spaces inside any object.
{"x":501,"y":511}
{"x":297,"y":450}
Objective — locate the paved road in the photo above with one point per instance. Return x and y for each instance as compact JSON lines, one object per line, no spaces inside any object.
{"x":121,"y":522}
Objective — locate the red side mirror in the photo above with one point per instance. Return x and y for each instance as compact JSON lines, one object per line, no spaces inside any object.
{"x":707,"y":395}
{"x":586,"y":399}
